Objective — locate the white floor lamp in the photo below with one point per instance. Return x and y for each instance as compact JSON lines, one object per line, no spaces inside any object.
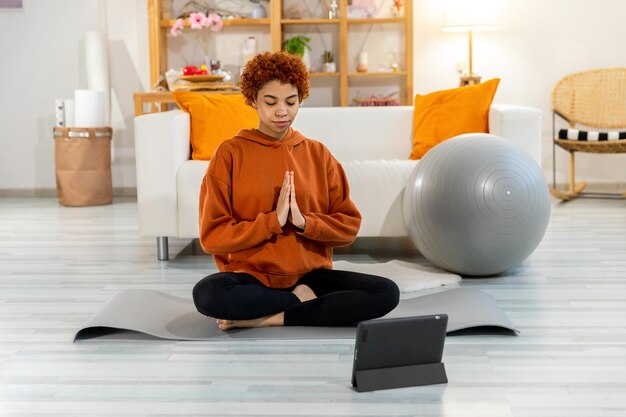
{"x":470,"y":16}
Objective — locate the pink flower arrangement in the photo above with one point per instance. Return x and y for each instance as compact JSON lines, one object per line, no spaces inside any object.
{"x":197,"y":21}
{"x":177,"y":27}
{"x":214,"y":22}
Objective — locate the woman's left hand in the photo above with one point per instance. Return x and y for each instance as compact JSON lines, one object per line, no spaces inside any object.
{"x":295,"y":216}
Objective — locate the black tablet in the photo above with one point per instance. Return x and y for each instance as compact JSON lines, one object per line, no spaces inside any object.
{"x":399,"y":352}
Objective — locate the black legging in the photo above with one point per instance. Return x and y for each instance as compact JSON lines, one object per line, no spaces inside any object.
{"x":343,"y":298}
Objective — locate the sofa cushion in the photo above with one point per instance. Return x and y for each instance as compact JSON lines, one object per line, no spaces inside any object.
{"x":444,"y":114}
{"x":188,"y":182}
{"x":214,"y":119}
{"x":376,"y":187}
{"x":359,"y":133}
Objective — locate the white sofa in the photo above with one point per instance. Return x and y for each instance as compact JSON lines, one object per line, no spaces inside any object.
{"x":372,"y":144}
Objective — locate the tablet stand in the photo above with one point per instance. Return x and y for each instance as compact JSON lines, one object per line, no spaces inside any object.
{"x":399,"y":377}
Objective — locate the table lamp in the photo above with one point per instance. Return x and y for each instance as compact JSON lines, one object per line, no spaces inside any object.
{"x":470,"y":16}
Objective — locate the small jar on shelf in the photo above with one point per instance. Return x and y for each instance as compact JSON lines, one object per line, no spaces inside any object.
{"x":328,"y":62}
{"x":362,"y":62}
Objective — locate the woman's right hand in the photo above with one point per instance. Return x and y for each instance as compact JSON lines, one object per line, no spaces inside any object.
{"x":282,"y":206}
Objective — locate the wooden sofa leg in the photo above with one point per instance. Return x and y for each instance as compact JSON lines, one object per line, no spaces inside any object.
{"x":162,"y":248}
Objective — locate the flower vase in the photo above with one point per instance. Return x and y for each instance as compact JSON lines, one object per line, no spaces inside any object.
{"x":259,"y":12}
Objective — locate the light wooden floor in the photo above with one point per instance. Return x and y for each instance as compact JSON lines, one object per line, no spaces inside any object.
{"x":58,"y":265}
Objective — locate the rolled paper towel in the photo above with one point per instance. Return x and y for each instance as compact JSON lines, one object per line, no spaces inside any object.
{"x":249,"y":49}
{"x":97,"y":66}
{"x":59,"y":112}
{"x":69,"y":112}
{"x":89,"y":108}
{"x":251,"y":44}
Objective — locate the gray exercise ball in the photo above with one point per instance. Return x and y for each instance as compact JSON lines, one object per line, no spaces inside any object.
{"x":476,"y":205}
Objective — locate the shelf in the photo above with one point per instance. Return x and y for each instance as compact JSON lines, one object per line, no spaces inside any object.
{"x":373,"y":20}
{"x":309,"y":21}
{"x":322,"y":21}
{"x":377,"y":74}
{"x":167,"y":23}
{"x":323,"y":74}
{"x":276,"y":28}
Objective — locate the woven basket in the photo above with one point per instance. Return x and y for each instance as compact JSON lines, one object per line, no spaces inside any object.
{"x":83,"y":165}
{"x":375,"y":101}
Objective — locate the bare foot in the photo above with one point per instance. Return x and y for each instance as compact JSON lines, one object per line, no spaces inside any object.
{"x":267,"y":321}
{"x":304,"y":293}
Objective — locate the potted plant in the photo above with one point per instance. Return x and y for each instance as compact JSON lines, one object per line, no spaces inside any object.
{"x":328,"y":60}
{"x":299,"y":45}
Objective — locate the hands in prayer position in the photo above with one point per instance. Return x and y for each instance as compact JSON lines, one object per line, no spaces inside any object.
{"x":287,"y":206}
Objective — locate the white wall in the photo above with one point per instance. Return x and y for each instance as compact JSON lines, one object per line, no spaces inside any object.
{"x":538,"y":42}
{"x":42,"y":58}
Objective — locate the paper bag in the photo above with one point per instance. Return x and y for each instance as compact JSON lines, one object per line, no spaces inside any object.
{"x":83,"y":166}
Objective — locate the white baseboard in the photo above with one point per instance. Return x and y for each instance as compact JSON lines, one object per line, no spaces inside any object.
{"x":599,"y":187}
{"x":616,"y":187}
{"x":52,"y":192}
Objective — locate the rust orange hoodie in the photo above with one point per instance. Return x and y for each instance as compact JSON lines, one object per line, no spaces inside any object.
{"x":238,"y":220}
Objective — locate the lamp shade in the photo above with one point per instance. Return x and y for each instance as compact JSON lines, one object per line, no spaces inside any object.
{"x":466,"y":15}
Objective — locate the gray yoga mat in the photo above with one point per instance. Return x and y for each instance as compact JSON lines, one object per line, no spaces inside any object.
{"x":166,"y":316}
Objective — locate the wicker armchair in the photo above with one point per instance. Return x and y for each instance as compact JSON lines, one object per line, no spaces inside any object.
{"x":589,"y":100}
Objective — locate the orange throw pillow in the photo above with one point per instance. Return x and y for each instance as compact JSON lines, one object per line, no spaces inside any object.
{"x":444,"y":114}
{"x":214,"y":119}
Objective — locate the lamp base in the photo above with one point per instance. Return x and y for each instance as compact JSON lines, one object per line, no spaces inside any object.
{"x":469,"y":80}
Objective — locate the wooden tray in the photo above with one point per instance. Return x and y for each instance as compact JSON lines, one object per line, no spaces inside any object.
{"x":202,"y":78}
{"x":204,"y":86}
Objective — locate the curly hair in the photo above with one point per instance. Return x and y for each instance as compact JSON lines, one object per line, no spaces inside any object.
{"x":269,"y":66}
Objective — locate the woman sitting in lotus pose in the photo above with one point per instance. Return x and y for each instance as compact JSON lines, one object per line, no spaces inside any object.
{"x":273,"y":204}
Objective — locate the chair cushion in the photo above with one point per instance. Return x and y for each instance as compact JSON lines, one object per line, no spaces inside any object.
{"x":444,"y":114}
{"x":590,"y":135}
{"x":214,"y":119}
